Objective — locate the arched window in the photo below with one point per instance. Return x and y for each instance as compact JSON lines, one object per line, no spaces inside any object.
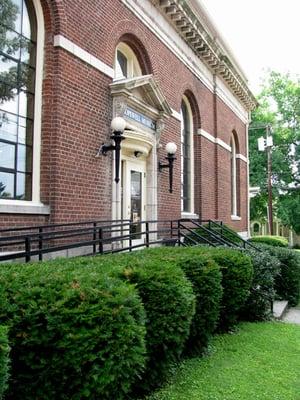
{"x":126,"y":62}
{"x":256,"y":227}
{"x":234,"y":208}
{"x":19,"y":85}
{"x":187,"y":159}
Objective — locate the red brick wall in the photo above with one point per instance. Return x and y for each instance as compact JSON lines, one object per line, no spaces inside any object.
{"x":77,"y":110}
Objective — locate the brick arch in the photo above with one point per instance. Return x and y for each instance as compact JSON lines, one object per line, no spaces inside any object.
{"x":135,"y":38}
{"x":188,"y":93}
{"x":236,"y":140}
{"x":55,"y":16}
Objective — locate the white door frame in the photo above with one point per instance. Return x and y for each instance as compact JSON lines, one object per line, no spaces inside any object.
{"x":137,"y":165}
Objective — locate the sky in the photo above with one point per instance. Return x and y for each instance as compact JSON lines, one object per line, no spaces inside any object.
{"x":262,"y":34}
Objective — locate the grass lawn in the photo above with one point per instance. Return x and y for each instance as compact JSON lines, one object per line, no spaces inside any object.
{"x":259,"y":362}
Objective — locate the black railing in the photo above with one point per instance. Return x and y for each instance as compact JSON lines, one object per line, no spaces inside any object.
{"x":88,"y":238}
{"x":102,"y":237}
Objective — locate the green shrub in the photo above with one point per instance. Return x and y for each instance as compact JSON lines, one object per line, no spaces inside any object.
{"x":4,"y":359}
{"x":296,"y":246}
{"x":170,"y":305}
{"x":237,"y":273}
{"x":287,"y":282}
{"x":262,"y":291}
{"x":75,"y":333}
{"x":229,"y":234}
{"x":277,"y":241}
{"x":205,"y":277}
{"x":224,"y":230}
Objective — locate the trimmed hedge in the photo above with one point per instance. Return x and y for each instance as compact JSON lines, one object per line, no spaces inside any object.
{"x":237,"y":275}
{"x":170,"y":306}
{"x":262,"y":291}
{"x":277,"y":241}
{"x":287,"y":282}
{"x":4,"y":359}
{"x":227,"y":234}
{"x":205,"y":276}
{"x":75,"y":334}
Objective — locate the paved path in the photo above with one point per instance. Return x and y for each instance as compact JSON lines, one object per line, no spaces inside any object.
{"x":292,"y":315}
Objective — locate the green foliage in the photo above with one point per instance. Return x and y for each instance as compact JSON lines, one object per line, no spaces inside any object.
{"x":225,"y":231}
{"x":287,"y":283}
{"x":289,"y":210}
{"x":4,"y":359}
{"x":262,"y":291}
{"x":277,"y":241}
{"x":237,"y":272}
{"x":279,"y":108}
{"x":75,"y":332}
{"x":170,"y":306}
{"x":205,"y":277}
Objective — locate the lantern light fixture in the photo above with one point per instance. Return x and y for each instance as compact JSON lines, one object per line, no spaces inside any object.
{"x":118,"y":125}
{"x":171,"y":149}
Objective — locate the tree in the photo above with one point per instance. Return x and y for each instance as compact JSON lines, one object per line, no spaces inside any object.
{"x":14,"y":77}
{"x":279,"y":108}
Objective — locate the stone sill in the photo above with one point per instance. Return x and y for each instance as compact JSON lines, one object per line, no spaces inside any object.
{"x":23,"y":207}
{"x":189,"y":215}
{"x":235,"y":218}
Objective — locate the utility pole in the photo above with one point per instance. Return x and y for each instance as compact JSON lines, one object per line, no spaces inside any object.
{"x":270,"y":197}
{"x":265,"y":144}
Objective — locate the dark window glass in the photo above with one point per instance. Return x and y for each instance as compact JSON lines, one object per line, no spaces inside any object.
{"x":122,"y":60}
{"x":233,"y":178}
{"x":18,"y":29}
{"x":136,"y":203}
{"x":186,"y":158}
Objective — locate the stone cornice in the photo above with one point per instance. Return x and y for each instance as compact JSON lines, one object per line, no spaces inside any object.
{"x":181,"y":15}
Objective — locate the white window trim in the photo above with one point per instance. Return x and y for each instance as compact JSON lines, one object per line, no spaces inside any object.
{"x":133,"y":66}
{"x":34,"y":206}
{"x":233,"y":173}
{"x":192,"y":200}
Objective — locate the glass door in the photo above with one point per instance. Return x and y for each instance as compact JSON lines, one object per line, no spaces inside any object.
{"x":134,"y":204}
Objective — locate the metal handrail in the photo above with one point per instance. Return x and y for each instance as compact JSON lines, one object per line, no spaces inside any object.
{"x":41,"y":242}
{"x":224,"y":227}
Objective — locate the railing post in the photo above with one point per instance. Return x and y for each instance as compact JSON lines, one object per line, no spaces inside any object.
{"x":130,"y":236}
{"x":209,"y":225}
{"x":27,"y":249}
{"x":40,"y":244}
{"x":100,"y":236}
{"x":178,"y":233}
{"x":94,"y":237}
{"x":221,"y":228}
{"x":147,"y":234}
{"x":171,"y":223}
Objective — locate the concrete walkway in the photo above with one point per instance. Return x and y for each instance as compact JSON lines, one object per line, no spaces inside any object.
{"x":292,"y":315}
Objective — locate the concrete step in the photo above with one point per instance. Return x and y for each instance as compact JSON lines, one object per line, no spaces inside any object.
{"x":292,"y":315}
{"x":279,"y":308}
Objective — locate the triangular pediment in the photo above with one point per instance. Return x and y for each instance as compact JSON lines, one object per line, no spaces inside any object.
{"x":145,"y":89}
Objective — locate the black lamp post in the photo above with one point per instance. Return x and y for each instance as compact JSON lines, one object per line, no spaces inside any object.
{"x":118,"y":125}
{"x":171,"y":150}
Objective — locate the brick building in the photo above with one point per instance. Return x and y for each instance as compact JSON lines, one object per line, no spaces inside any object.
{"x":69,"y":67}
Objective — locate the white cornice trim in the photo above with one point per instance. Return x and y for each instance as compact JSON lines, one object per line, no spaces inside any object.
{"x":154,"y":20}
{"x":241,"y":157}
{"x":83,"y":55}
{"x":176,"y":115}
{"x":224,"y":94}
